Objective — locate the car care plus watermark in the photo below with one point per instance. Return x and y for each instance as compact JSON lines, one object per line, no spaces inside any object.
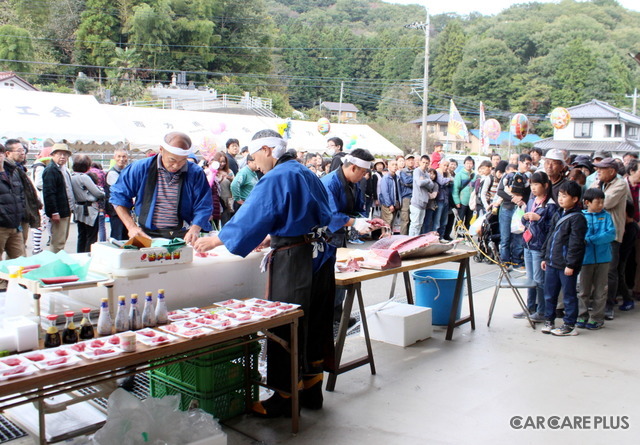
{"x":569,"y":422}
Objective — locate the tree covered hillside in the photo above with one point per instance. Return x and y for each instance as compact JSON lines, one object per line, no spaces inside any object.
{"x":529,"y":58}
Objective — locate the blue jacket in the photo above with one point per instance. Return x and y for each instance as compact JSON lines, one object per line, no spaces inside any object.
{"x":338,"y":200}
{"x":405,"y":179}
{"x":540,"y":229}
{"x":600,"y":233}
{"x":196,"y":205}
{"x":387,"y":196}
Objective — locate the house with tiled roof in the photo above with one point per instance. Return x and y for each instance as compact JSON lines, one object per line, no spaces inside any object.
{"x":437,"y":125}
{"x":11,"y":81}
{"x":596,"y":126}
{"x":348,"y":112}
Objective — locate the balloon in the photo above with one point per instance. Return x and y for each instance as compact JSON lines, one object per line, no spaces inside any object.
{"x":218,"y":127}
{"x":492,"y":128}
{"x":519,"y":126}
{"x":323,"y":126}
{"x":207,"y":147}
{"x":560,"y":118}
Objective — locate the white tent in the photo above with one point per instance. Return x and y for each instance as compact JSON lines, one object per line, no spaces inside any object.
{"x":39,"y":115}
{"x":144,"y":128}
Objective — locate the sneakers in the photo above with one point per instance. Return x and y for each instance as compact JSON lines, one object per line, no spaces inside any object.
{"x":548,"y":327}
{"x":356,"y":241}
{"x":581,"y":323}
{"x":627,"y":305}
{"x":608,"y":313}
{"x":537,"y":318}
{"x":564,"y":331}
{"x":520,"y":315}
{"x":593,"y":325}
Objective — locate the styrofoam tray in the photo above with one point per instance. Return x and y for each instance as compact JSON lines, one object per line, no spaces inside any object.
{"x":54,"y":362}
{"x":185,"y":332}
{"x":155,"y":339}
{"x":91,"y":353}
{"x":17,"y":371}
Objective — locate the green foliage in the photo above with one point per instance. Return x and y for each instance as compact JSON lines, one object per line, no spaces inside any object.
{"x":448,"y":54}
{"x":85,"y":85}
{"x":15,"y":44}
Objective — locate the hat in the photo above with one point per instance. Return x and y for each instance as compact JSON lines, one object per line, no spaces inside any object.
{"x":555,"y":155}
{"x":410,"y":156}
{"x":60,"y":147}
{"x":379,"y":161}
{"x":607,"y":163}
{"x":601,"y":155}
{"x":45,"y":152}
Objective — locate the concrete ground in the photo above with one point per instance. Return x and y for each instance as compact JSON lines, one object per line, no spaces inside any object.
{"x":502,"y":384}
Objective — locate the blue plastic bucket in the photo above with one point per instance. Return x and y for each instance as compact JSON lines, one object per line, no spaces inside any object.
{"x":435,"y":289}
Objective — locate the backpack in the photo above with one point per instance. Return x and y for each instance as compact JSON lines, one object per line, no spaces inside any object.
{"x":518,"y":184}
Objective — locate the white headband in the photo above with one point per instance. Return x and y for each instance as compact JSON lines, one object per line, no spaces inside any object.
{"x":176,"y":150}
{"x":357,"y":161}
{"x":279,"y":146}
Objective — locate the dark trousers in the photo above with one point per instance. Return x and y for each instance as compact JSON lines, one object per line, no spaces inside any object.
{"x":554,"y":281}
{"x":87,"y":235}
{"x":612,"y":277}
{"x":292,"y":280}
{"x":118,"y":230}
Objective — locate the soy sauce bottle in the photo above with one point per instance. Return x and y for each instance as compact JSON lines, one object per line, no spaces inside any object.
{"x":86,"y":328}
{"x":70,"y":333}
{"x":122,"y":321}
{"x":52,"y":335}
{"x":161,"y":309}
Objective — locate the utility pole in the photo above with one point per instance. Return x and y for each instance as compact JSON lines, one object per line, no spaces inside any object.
{"x":340,"y":105}
{"x":425,"y":94}
{"x":635,"y":99}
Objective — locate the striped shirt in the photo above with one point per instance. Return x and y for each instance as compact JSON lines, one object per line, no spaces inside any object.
{"x":165,"y":213}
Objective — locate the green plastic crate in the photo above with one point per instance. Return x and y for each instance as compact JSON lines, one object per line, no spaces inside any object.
{"x":212,"y":372}
{"x":223,"y":405}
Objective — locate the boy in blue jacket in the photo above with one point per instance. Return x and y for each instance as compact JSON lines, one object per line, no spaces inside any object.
{"x":562,"y":255}
{"x":593,"y":280}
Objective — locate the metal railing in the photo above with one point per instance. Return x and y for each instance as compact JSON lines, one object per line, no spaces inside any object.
{"x":263,"y":104}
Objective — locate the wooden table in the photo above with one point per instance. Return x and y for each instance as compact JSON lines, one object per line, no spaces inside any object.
{"x":352,"y":282}
{"x":43,"y":384}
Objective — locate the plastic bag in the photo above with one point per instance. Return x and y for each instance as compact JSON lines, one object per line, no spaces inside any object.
{"x":475,"y":227}
{"x":132,"y":421}
{"x":516,"y":221}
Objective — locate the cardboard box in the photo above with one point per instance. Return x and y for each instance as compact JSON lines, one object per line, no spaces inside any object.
{"x":398,"y":324}
{"x":106,"y":257}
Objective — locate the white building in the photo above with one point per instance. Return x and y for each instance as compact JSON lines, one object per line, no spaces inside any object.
{"x":11,"y":81}
{"x":595,"y":127}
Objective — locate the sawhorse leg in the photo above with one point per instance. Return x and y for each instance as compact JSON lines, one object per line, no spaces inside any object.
{"x":352,"y":291}
{"x":464,"y":268}
{"x":407,"y":287}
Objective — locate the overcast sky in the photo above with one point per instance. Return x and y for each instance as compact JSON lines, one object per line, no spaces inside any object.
{"x":485,"y":7}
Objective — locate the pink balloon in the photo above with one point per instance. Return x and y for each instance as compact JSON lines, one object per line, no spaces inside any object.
{"x":492,"y":128}
{"x":218,"y":127}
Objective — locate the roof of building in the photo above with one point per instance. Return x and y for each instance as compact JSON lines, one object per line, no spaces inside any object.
{"x":597,"y":109}
{"x":441,"y":118}
{"x":7,"y":75}
{"x":504,"y":137}
{"x":336,"y":106}
{"x":589,"y":146}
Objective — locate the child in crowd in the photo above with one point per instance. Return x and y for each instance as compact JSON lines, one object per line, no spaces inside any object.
{"x":593,"y":280}
{"x":432,"y":205}
{"x":562,"y":255}
{"x":537,"y":220}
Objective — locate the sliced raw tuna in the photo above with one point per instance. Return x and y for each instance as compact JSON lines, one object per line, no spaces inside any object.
{"x":382,"y":259}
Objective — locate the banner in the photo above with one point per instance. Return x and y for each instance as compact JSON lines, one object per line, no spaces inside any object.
{"x":484,"y":138}
{"x":456,"y":127}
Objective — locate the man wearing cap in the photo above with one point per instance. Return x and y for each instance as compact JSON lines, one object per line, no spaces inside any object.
{"x":172,"y":196}
{"x":597,"y":157}
{"x":554,"y":167}
{"x":617,"y":194}
{"x":16,"y":155}
{"x":58,"y":197}
{"x":291,"y":206}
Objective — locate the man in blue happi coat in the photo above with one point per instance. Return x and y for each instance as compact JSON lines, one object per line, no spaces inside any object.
{"x":289,"y":208}
{"x":347,"y":207}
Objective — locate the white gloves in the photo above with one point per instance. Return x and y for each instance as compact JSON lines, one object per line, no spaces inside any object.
{"x":362,"y":226}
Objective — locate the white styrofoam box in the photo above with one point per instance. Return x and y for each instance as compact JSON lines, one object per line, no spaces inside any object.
{"x":25,"y":332}
{"x":398,"y":323}
{"x":218,"y":439}
{"x":105,"y":257}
